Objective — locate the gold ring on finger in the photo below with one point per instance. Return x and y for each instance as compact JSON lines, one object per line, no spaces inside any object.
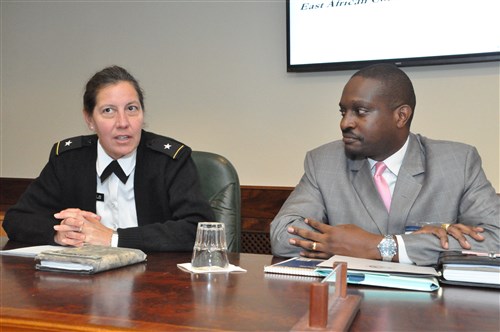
{"x":314,"y":246}
{"x":445,"y":226}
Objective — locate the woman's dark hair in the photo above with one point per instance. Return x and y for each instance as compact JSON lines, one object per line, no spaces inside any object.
{"x":108,"y":76}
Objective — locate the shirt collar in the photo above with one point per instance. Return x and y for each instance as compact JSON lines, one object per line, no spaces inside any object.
{"x":127,"y":163}
{"x":394,"y":161}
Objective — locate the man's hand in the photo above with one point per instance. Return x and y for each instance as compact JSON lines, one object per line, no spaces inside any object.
{"x":456,"y":230}
{"x":78,"y":227}
{"x":326,"y":241}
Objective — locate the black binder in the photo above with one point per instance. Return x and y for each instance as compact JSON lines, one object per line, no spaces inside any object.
{"x":468,"y":268}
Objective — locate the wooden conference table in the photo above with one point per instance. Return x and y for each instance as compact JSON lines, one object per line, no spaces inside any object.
{"x":157,"y":296}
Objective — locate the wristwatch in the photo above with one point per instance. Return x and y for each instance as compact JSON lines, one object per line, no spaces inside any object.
{"x":387,"y":248}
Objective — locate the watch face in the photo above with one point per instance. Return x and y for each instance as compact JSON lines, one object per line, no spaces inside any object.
{"x":387,"y":247}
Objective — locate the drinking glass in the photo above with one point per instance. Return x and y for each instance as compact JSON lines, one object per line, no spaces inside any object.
{"x":210,"y":248}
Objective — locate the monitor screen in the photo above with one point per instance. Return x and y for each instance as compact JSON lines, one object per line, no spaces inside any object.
{"x":350,"y":34}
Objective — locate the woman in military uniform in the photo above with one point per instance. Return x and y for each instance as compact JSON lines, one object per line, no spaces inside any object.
{"x":122,"y":186}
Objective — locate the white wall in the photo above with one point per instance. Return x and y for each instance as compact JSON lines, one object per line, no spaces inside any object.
{"x":215,"y":78}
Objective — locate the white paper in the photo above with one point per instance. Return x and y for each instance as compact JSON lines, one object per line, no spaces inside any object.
{"x":489,"y":274}
{"x":67,"y":266}
{"x":29,"y":251}
{"x":372,"y":265}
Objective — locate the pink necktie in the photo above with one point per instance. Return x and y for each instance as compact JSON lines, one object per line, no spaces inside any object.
{"x":381,"y":184}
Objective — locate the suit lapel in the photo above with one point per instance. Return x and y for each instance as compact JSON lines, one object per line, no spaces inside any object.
{"x":408,"y":186}
{"x":362,"y":181}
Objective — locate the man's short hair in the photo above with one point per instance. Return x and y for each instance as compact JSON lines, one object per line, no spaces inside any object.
{"x":398,"y":87}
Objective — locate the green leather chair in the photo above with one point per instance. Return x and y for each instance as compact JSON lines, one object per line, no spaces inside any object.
{"x":221,"y":186}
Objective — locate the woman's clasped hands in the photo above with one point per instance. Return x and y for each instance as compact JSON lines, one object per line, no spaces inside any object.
{"x":79,"y":227}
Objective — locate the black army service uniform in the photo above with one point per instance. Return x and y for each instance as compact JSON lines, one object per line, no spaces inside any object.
{"x":168,"y":199}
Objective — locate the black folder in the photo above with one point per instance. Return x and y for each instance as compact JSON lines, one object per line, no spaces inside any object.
{"x":469,"y":268}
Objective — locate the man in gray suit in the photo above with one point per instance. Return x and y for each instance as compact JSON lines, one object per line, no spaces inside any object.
{"x":337,"y":207}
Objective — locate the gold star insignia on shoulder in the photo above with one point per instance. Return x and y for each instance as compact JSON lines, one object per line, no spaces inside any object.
{"x":167,"y":146}
{"x":73,"y":143}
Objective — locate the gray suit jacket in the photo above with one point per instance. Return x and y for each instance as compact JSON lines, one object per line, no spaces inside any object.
{"x":439,"y":181}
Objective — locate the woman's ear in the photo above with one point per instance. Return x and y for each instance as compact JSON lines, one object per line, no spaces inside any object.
{"x":88,"y":120}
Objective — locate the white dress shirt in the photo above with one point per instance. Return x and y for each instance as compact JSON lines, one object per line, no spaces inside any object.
{"x":117,"y":207}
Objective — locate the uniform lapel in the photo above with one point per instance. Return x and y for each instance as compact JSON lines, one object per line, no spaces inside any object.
{"x":88,"y":181}
{"x":141,"y":183}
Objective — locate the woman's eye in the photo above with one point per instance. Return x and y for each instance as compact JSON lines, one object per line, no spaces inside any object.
{"x":107,"y":110}
{"x":133,"y":108}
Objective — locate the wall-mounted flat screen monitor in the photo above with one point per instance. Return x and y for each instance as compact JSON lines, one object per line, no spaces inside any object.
{"x":350,"y":34}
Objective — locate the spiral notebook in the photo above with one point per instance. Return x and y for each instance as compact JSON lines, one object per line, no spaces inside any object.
{"x":299,"y":266}
{"x":362,"y":272}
